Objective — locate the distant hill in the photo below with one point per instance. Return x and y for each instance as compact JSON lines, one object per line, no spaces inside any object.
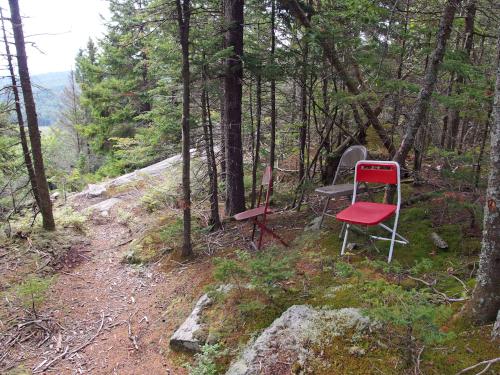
{"x":47,"y":88}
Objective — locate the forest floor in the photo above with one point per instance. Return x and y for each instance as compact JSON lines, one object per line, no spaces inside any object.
{"x":105,"y":292}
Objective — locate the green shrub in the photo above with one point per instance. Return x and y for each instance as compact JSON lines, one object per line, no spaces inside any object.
{"x":206,"y":361}
{"x":413,"y":309}
{"x":32,"y":292}
{"x":344,"y":270}
{"x":422,"y":266}
{"x":69,"y":218}
{"x":263,"y":271}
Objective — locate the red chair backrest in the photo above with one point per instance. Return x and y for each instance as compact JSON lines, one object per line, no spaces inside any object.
{"x":267,"y":176}
{"x":382,"y":173}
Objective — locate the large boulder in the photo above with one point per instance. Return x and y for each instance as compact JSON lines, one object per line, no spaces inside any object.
{"x":103,"y":207}
{"x":192,"y":335}
{"x":187,"y":336}
{"x":286,"y":346}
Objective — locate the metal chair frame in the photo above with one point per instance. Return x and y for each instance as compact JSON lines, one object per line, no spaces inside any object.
{"x":376,"y":179}
{"x":345,"y":164}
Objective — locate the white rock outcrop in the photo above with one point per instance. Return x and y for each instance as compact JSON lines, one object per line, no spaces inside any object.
{"x":285,"y":345}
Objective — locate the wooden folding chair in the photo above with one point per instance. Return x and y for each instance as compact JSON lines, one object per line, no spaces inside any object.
{"x":259,"y":214}
{"x":371,"y":213}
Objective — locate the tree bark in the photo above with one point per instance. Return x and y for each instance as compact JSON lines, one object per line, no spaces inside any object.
{"x":485,"y":301}
{"x":272,"y":146}
{"x":258,"y":115}
{"x":235,"y":199}
{"x":303,"y":113}
{"x":455,"y":119}
{"x":183,"y":18}
{"x":424,"y":97}
{"x":206,"y":120}
{"x":20,"y":119}
{"x":31,"y":116}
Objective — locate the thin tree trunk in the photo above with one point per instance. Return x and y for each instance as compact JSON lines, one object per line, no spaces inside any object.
{"x":484,"y":137}
{"x":455,"y":119}
{"x":206,"y":120}
{"x":20,"y":120}
{"x":45,"y":204}
{"x":272,"y":148}
{"x":235,"y":200}
{"x":222,"y":131}
{"x":350,"y":83}
{"x":485,"y":302}
{"x":183,"y":18}
{"x":424,"y":97}
{"x":258,"y":119}
{"x":303,"y":113}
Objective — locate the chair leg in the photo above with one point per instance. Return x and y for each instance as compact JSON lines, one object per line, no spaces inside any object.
{"x":324,"y":211}
{"x":342,"y":230}
{"x":261,"y":235}
{"x":345,"y":240}
{"x":254,"y":226}
{"x":393,"y":237}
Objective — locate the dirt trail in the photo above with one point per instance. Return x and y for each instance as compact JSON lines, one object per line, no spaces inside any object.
{"x":125,"y":313}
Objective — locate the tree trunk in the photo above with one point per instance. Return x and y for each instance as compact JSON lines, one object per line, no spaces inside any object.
{"x":272,"y":147}
{"x":214,"y":220}
{"x":258,"y":115}
{"x":470,"y":13}
{"x":183,"y":18}
{"x":485,"y":301}
{"x":303,"y":113}
{"x":233,"y":14}
{"x":350,"y":83}
{"x":20,"y":119}
{"x":31,"y":116}
{"x":424,"y":97}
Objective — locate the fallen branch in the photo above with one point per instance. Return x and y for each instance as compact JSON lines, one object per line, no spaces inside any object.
{"x":132,"y":337}
{"x":44,"y":365}
{"x":488,"y":364}
{"x":431,"y":285}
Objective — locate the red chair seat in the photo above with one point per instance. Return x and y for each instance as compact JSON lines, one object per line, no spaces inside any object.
{"x":248,"y":214}
{"x":366,"y":213}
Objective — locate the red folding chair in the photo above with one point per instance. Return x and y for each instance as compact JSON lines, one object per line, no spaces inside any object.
{"x":370,"y":213}
{"x":261,"y":211}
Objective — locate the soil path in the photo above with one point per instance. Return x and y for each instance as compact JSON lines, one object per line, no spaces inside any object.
{"x":125,"y":313}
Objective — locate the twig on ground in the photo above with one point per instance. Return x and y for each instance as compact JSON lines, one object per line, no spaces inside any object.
{"x":44,"y":365}
{"x":443,"y":295}
{"x":130,"y":335}
{"x":417,"y":364}
{"x":488,"y":364}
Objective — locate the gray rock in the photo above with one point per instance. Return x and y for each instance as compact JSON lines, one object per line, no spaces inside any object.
{"x":357,"y":351}
{"x":438,"y":241}
{"x":104,"y":207}
{"x":315,"y":224}
{"x":94,"y":191}
{"x":192,"y":335}
{"x":292,"y":336}
{"x":351,"y":246}
{"x":187,"y":335}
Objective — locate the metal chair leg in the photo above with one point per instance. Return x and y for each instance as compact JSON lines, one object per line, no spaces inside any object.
{"x":342,"y":230}
{"x":393,"y":237}
{"x":345,"y":240}
{"x":324,"y":212}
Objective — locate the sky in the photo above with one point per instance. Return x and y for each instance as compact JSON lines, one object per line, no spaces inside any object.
{"x":59,"y":28}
